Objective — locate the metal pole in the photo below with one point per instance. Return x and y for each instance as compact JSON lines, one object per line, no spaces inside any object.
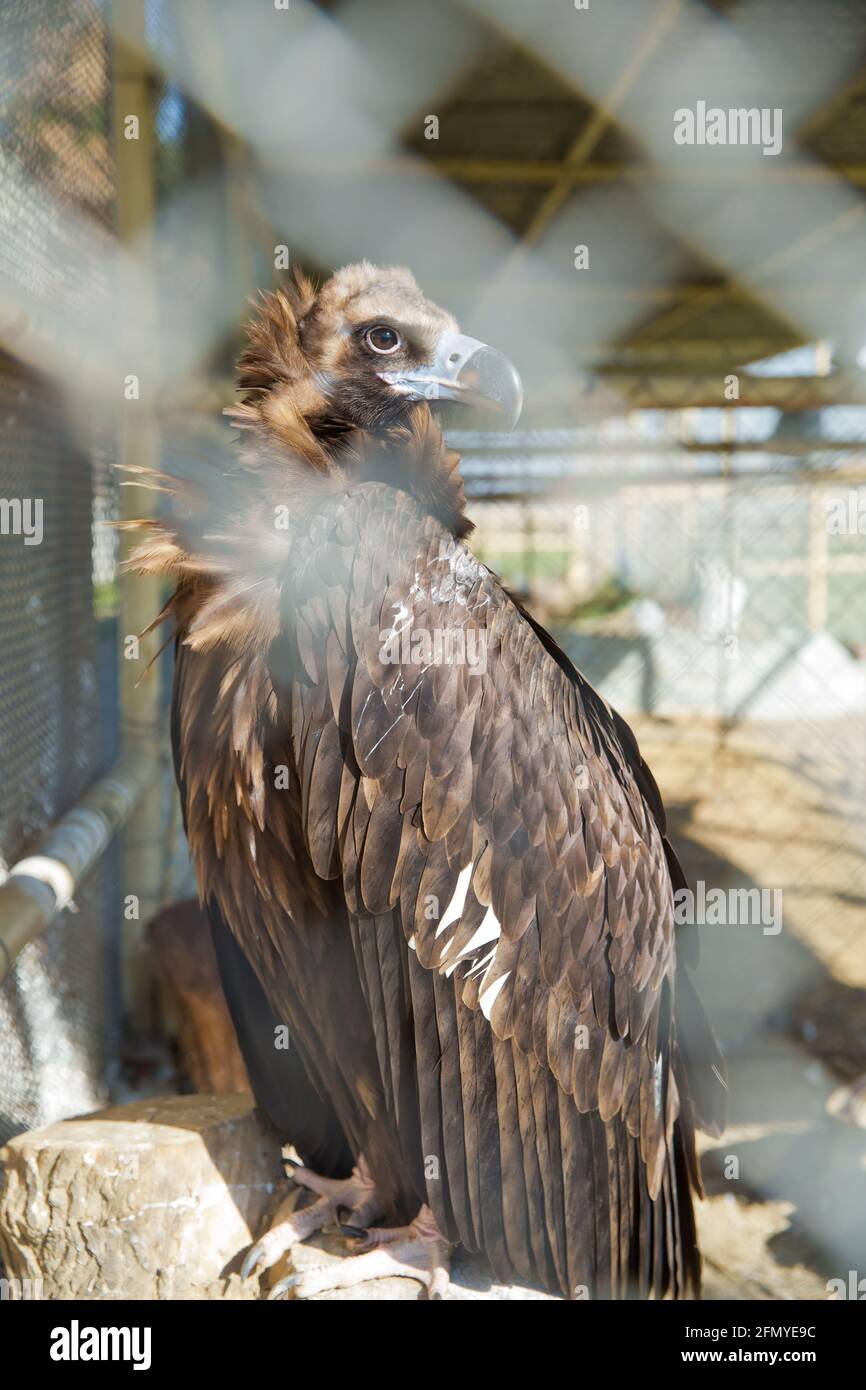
{"x":140,"y":600}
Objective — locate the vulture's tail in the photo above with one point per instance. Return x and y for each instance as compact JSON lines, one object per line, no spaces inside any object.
{"x":617,"y":1241}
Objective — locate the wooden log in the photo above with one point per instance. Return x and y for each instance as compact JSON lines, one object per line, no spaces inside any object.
{"x":182,"y":947}
{"x":154,"y":1200}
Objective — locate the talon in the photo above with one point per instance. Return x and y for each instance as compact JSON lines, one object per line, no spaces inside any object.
{"x":439,"y":1282}
{"x":282,"y":1286}
{"x":416,"y":1251}
{"x":251,"y":1259}
{"x":292,"y":1223}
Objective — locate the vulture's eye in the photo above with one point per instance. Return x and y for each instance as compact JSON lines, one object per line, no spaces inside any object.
{"x":382,"y":338}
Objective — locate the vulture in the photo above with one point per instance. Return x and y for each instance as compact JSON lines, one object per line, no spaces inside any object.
{"x":434,"y":862}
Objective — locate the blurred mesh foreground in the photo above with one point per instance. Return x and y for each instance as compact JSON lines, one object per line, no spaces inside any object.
{"x":684,"y":501}
{"x":59,"y":1009}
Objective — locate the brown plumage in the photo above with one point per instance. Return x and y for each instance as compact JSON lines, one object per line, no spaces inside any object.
{"x":444,"y":868}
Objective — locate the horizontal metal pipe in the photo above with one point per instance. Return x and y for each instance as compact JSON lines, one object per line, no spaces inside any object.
{"x":42,"y":884}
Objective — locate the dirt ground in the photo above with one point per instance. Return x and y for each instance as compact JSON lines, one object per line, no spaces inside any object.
{"x":779,"y":807}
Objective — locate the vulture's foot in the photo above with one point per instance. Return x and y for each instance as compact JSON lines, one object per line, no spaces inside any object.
{"x":416,"y":1251}
{"x":353,"y":1199}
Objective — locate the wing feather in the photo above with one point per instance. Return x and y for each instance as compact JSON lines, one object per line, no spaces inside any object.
{"x":504,"y":813}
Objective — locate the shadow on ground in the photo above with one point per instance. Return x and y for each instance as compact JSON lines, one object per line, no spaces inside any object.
{"x":791,"y":1033}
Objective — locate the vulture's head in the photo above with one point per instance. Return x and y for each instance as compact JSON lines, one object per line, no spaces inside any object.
{"x":338,"y":384}
{"x":357,"y":353}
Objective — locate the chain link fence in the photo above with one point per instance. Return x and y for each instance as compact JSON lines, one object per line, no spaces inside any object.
{"x":688,"y":578}
{"x":59,"y":1019}
{"x":703,"y":566}
{"x":62,"y":270}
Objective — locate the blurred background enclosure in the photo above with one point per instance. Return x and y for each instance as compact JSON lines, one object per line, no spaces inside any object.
{"x":684,"y":501}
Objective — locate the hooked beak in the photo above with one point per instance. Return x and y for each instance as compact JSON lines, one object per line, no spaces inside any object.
{"x":467,"y":370}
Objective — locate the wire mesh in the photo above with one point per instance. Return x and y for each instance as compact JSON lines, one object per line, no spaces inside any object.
{"x":715,"y":568}
{"x":58,"y":1007}
{"x":703,"y":564}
